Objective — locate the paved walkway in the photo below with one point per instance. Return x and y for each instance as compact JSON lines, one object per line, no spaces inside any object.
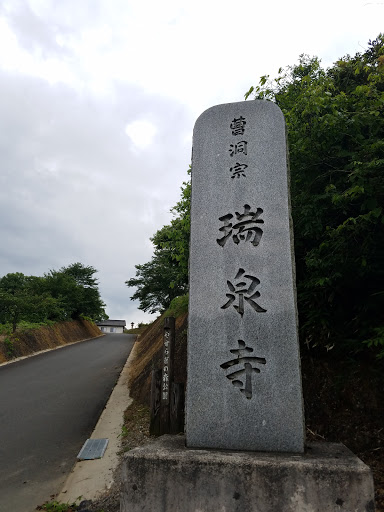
{"x":90,"y":478}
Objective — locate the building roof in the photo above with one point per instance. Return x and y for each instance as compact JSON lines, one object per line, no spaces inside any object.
{"x":112,"y":323}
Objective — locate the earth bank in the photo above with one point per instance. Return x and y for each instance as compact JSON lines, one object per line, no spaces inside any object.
{"x":27,"y":342}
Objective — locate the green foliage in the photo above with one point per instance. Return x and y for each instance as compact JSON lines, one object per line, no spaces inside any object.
{"x":10,"y":340}
{"x":59,"y":295}
{"x":27,"y":326}
{"x":124,"y":432}
{"x":77,"y":292}
{"x":165,"y":277}
{"x":56,"y":506}
{"x":5,"y":329}
{"x":157,"y":282}
{"x":178,"y":306}
{"x":335,"y":121}
{"x":9,"y":343}
{"x":22,"y":297}
{"x":143,"y":324}
{"x":377,"y":341}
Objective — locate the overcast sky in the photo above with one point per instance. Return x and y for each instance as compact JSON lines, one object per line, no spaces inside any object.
{"x":98,"y":99}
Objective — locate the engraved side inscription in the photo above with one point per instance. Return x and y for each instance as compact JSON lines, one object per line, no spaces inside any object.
{"x":165,"y":378}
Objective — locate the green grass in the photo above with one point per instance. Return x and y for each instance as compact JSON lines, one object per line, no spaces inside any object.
{"x":9,"y":346}
{"x":178,"y":306}
{"x":5,"y":329}
{"x":23,"y":325}
{"x":139,"y":329}
{"x":56,"y":506}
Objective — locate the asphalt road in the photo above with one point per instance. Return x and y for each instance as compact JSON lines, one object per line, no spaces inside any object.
{"x":49,"y":405}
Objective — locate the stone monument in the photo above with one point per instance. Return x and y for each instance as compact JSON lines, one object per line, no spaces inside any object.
{"x":244,"y":381}
{"x":244,"y":445}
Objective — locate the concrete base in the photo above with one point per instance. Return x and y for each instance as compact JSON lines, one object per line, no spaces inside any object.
{"x":165,"y":476}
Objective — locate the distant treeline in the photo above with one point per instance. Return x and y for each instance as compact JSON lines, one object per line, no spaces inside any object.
{"x":68,"y":293}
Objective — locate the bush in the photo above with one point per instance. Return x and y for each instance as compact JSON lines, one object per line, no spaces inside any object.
{"x":178,"y":306}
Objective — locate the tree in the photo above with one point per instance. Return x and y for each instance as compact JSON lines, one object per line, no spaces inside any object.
{"x":77,"y":290}
{"x":335,"y":121}
{"x":153,"y":282}
{"x":22,"y":298}
{"x":70,"y":292}
{"x":165,"y":277}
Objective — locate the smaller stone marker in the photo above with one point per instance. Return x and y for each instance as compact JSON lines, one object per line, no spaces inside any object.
{"x":163,"y":388}
{"x":167,"y":371}
{"x":244,"y":382}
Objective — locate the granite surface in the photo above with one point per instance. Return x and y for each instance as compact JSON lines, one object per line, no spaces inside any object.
{"x":166,"y":476}
{"x":244,"y":382}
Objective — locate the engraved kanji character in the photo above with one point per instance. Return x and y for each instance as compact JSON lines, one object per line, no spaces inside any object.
{"x":244,"y":293}
{"x":248,"y":370}
{"x":240,"y":147}
{"x":238,"y":170}
{"x":237,"y":126}
{"x":244,"y":229}
{"x":226,"y":229}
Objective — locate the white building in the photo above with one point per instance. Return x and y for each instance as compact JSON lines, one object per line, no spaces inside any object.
{"x":115,"y":326}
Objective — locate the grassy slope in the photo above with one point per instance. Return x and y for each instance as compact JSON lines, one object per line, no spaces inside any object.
{"x":33,"y":340}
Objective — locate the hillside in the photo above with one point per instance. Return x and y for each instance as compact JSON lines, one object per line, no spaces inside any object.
{"x":26,"y":342}
{"x":342,"y":397}
{"x":147,"y":356}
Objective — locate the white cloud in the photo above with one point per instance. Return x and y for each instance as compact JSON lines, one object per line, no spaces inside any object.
{"x":141,"y":133}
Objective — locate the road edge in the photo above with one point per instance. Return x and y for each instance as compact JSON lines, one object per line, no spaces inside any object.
{"x":89,"y":479}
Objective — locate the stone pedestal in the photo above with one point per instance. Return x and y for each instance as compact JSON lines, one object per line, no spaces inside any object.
{"x":168,"y":477}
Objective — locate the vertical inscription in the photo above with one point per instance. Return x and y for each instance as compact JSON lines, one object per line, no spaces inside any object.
{"x":238,"y":128}
{"x":165,"y":374}
{"x":243,"y":227}
{"x":167,"y":361}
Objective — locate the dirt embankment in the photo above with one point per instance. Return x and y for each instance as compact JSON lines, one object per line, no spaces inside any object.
{"x":147,"y":356}
{"x":343,"y":399}
{"x":34,"y":340}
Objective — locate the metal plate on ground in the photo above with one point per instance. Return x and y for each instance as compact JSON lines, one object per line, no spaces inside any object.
{"x":93,"y":449}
